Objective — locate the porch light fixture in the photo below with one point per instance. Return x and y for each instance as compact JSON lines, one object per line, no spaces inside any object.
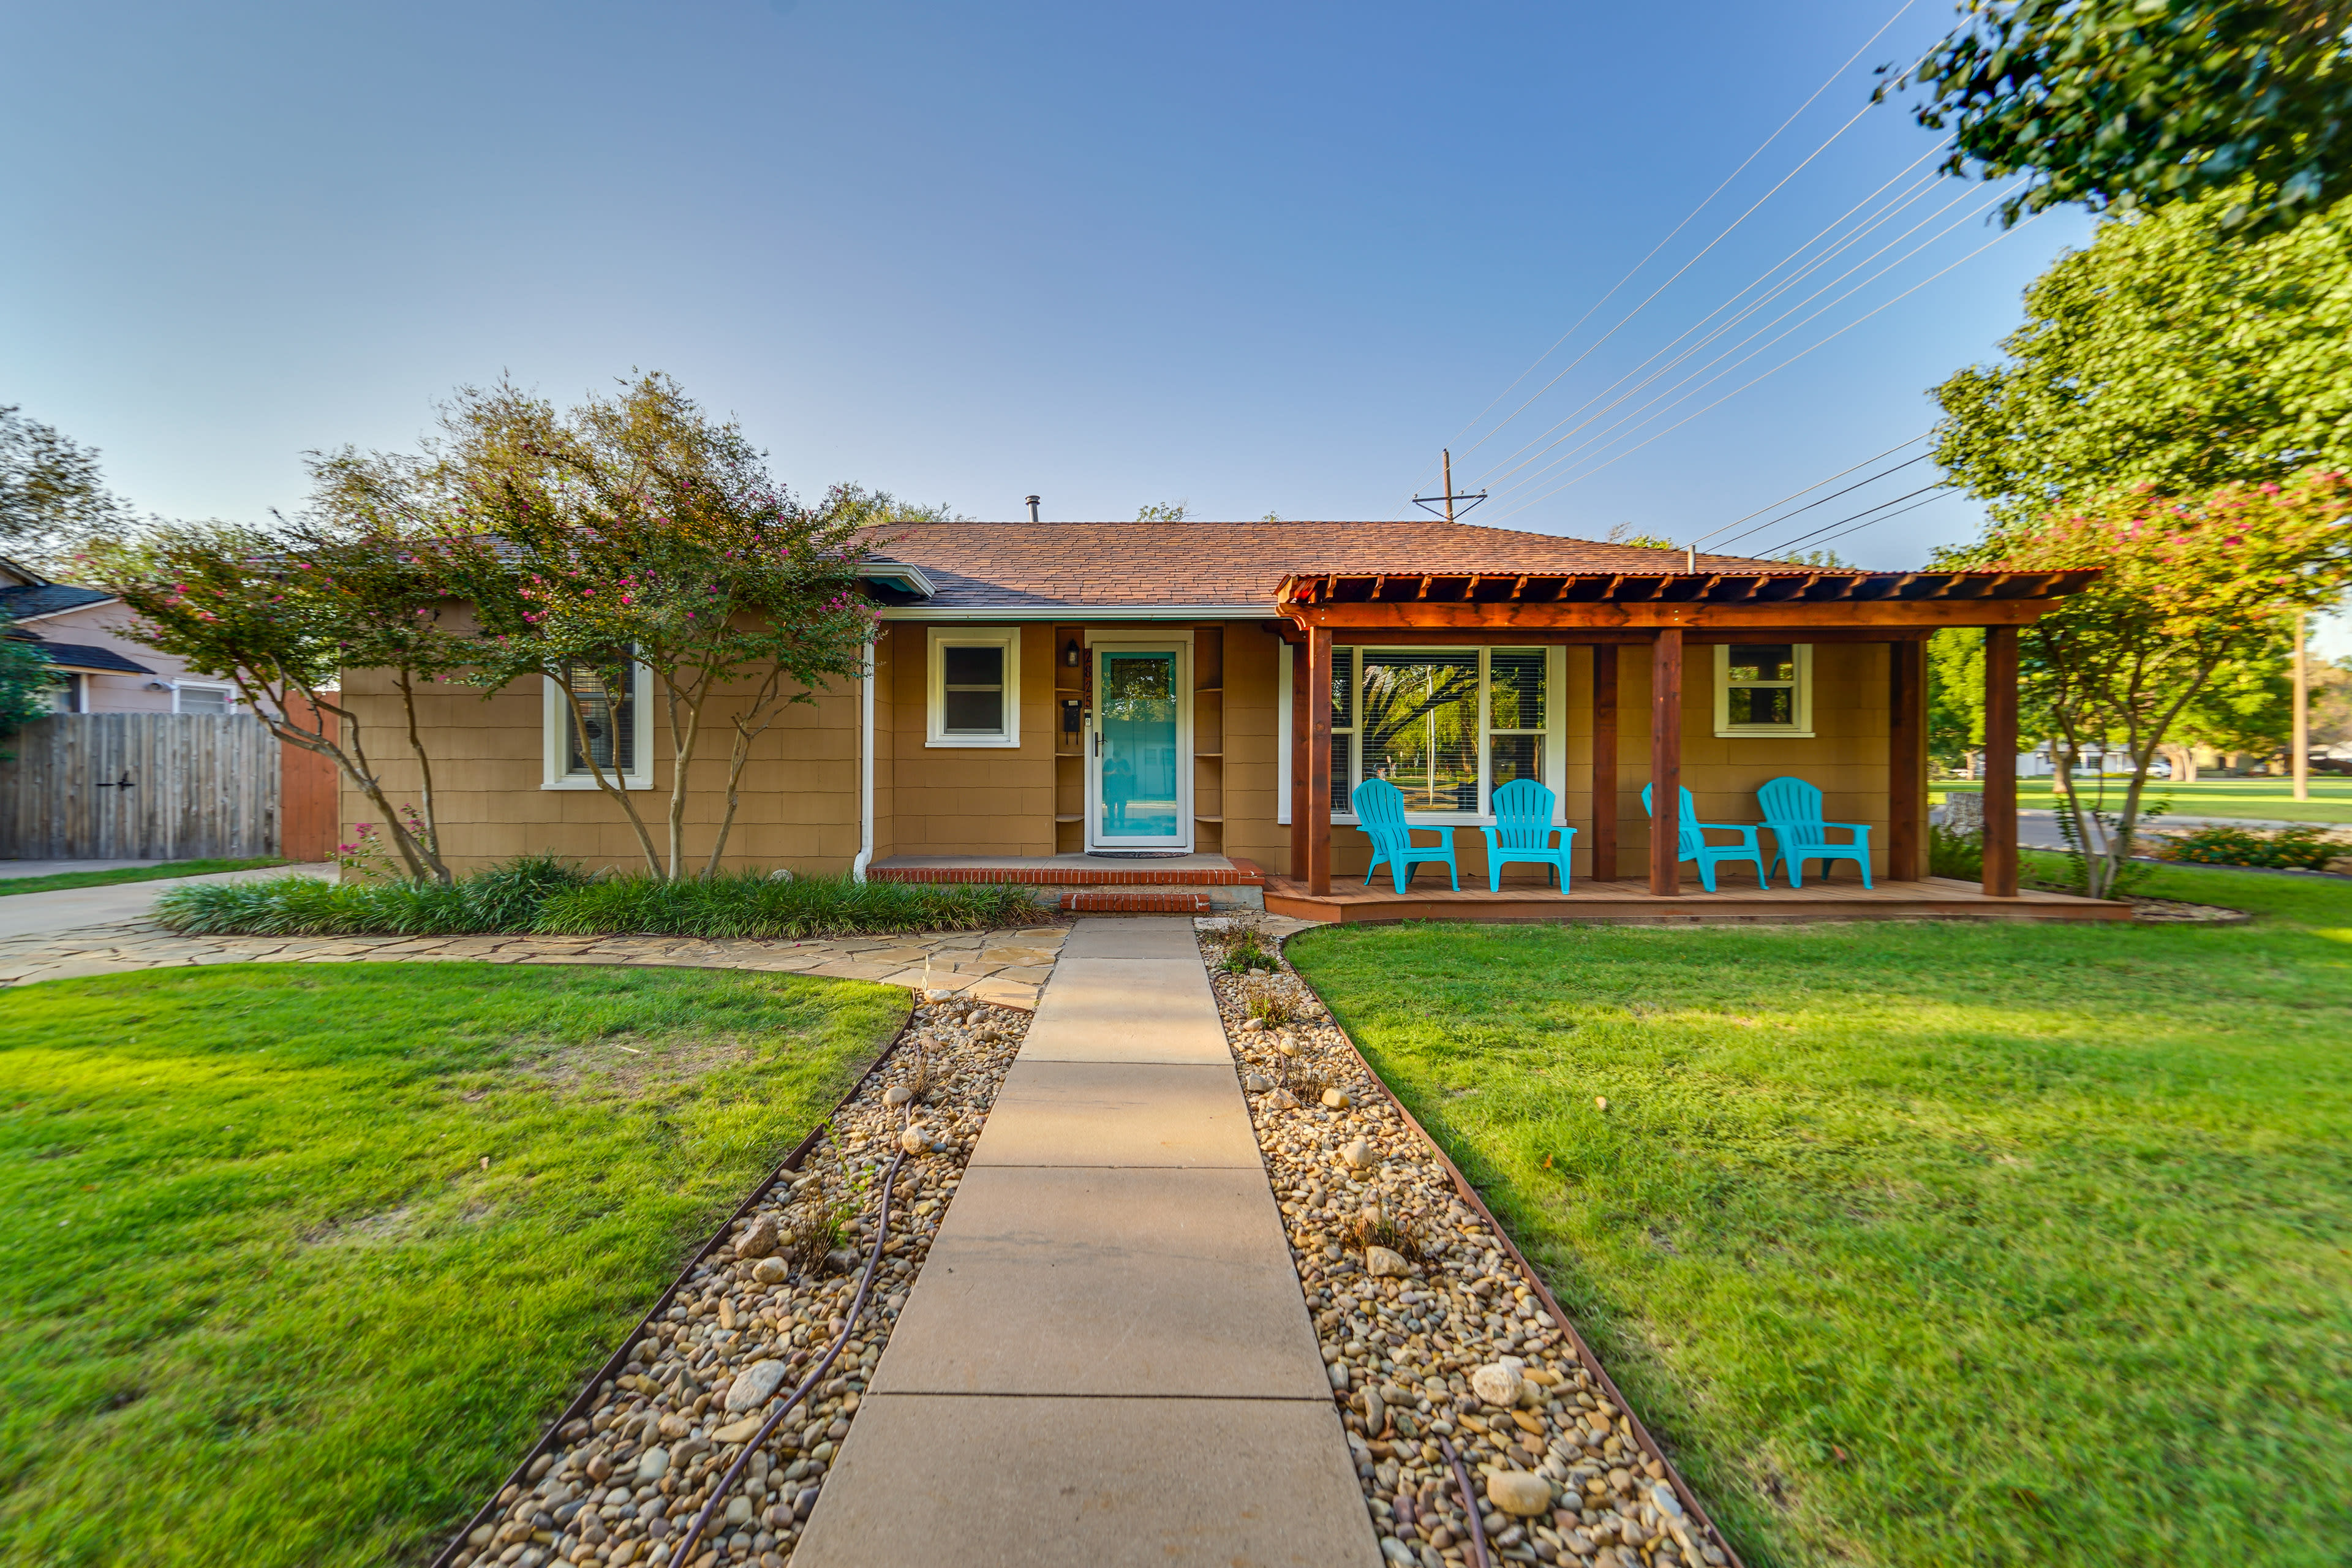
{"x":1070,"y":652}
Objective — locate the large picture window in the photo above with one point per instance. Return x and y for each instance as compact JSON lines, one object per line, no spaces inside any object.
{"x":974,"y":687}
{"x":1445,"y":726}
{"x":606,"y":730}
{"x":1764,"y":689}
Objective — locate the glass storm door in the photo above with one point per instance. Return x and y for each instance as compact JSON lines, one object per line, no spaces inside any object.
{"x":1142,"y":794}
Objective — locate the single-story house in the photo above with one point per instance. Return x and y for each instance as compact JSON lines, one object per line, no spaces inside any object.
{"x":99,"y":668}
{"x":1179,"y":710}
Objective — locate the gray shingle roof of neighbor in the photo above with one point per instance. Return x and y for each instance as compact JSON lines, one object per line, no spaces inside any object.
{"x":49,"y":599}
{"x":1010,"y":566}
{"x":89,"y":656}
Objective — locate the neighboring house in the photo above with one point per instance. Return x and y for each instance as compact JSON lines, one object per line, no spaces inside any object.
{"x":1045,"y":690}
{"x":100,"y":669}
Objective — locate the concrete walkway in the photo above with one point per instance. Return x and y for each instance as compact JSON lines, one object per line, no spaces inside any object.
{"x":1107,"y":1358}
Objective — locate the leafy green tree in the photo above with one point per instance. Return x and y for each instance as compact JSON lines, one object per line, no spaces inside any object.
{"x":25,"y":681}
{"x":1956,"y":693}
{"x":50,"y":491}
{"x":1161,"y":511}
{"x":2124,"y":104}
{"x":636,"y":531}
{"x":2247,"y":706}
{"x":2160,"y":357}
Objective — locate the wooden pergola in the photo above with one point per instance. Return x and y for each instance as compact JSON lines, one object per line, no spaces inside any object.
{"x":1665,"y":612}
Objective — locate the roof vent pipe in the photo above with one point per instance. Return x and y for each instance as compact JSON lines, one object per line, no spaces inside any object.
{"x":1032,"y":507}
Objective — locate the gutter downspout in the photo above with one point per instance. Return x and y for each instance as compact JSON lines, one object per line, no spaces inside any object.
{"x":865,"y":769}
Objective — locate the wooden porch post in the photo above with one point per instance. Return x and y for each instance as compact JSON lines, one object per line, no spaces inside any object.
{"x":1318,"y":761}
{"x":1666,"y":762}
{"x":1906,"y":762}
{"x":2000,"y":763}
{"x":1297,"y":742}
{"x":1605,"y":761}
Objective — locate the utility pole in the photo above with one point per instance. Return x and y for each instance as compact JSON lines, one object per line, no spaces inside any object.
{"x":2302,"y":759}
{"x":1449,"y":497}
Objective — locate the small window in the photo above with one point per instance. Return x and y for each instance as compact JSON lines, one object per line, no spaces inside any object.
{"x":1764,"y":689}
{"x":605,"y":729}
{"x":66,"y":693}
{"x":975,"y":686}
{"x":216,"y":701}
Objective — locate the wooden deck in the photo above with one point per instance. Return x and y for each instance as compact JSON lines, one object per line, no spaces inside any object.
{"x":1632,"y":902}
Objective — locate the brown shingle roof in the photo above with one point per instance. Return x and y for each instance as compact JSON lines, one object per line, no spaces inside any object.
{"x":1013,"y":566}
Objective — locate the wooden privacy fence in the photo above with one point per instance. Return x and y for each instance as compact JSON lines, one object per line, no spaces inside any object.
{"x":142,"y":786}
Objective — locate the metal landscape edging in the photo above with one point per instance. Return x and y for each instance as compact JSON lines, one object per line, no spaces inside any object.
{"x":585,"y":1399}
{"x":1584,"y":1354}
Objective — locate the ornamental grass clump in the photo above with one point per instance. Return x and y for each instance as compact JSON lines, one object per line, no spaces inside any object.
{"x":506,"y":899}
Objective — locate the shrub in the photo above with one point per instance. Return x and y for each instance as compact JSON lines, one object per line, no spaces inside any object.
{"x":2304,"y":847}
{"x":1248,"y":952}
{"x":750,"y":904}
{"x":542,"y":894}
{"x":1955,"y":852}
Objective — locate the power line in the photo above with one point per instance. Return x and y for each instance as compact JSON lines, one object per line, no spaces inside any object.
{"x":1865,"y":512}
{"x":1622,"y":429}
{"x":1817,"y":484}
{"x":1872,"y":522}
{"x":1809,"y":506}
{"x":1693,"y":213}
{"x":1774,"y":371}
{"x":1732,"y":324}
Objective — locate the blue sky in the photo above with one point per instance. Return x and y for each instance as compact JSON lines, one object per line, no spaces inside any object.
{"x":1255,"y":258}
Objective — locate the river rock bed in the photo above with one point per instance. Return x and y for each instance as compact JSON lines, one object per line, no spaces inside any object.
{"x":624,"y":1482}
{"x":1427,"y":1327}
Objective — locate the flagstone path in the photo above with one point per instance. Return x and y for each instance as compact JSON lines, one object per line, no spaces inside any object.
{"x":1001,"y":967}
{"x":1107,"y":1358}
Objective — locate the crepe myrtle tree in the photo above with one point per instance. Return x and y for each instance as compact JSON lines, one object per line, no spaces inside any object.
{"x":636,"y":531}
{"x":282,"y":613}
{"x":2191,"y":585}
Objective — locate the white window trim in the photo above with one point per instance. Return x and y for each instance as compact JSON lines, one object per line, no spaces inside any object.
{"x":228,"y":693}
{"x":942,"y":638}
{"x":1802,"y":708}
{"x":554,"y":729}
{"x":1555,"y":733}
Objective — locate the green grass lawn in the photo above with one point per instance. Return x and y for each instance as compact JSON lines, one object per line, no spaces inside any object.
{"x":170,"y":869}
{"x":264,"y":1302}
{"x":1928,"y":1243}
{"x":2271,"y":800}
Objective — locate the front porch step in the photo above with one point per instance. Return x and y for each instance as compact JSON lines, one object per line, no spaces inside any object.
{"x":1122,"y":902}
{"x":1072,"y":870}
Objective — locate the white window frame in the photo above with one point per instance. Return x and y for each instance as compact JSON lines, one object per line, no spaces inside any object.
{"x":555,"y":735}
{"x":1554,"y":731}
{"x":228,"y":693}
{"x":940,"y":639}
{"x":1799,"y":727}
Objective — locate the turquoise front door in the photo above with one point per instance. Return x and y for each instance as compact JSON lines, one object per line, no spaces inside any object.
{"x":1141,"y":749}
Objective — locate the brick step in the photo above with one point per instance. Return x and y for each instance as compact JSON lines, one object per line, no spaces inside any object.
{"x":1109,"y":902}
{"x":1244,"y":874}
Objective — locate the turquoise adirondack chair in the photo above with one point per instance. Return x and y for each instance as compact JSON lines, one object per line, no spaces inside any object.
{"x":1379,"y":812}
{"x":1523,"y":831}
{"x":1695,"y":846}
{"x":1793,"y":810}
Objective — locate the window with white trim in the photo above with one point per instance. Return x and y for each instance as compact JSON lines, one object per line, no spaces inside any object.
{"x":66,"y":692}
{"x":1446,"y":726}
{"x":605,"y":729}
{"x":974,"y":687}
{"x":189,"y":697}
{"x":1764,"y":689}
